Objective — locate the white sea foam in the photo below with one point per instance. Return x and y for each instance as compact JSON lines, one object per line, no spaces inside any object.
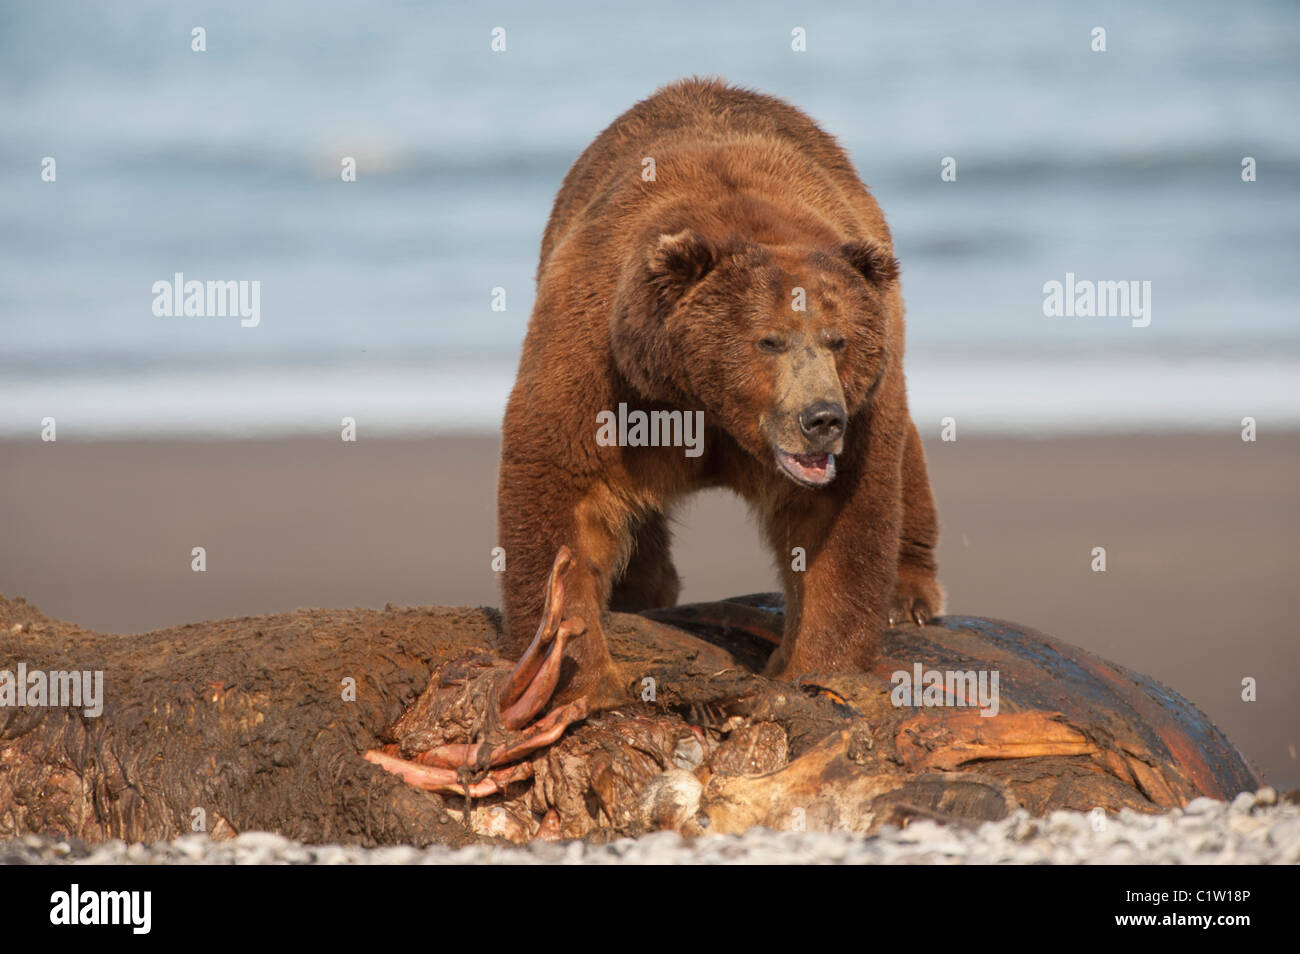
{"x":983,"y":395}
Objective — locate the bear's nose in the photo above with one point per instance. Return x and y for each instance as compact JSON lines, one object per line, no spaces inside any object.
{"x":822,"y":421}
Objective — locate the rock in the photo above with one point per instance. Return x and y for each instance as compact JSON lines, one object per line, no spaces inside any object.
{"x":261,"y":841}
{"x":193,"y":847}
{"x":689,"y":754}
{"x":671,"y":801}
{"x":1201,"y":806}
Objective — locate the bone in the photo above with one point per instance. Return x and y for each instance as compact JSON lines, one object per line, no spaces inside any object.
{"x":522,"y":676}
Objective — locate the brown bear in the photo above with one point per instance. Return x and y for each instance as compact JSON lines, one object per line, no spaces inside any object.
{"x":713,"y":257}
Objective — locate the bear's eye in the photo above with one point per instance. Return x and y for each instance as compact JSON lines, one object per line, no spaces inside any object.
{"x":772,"y":345}
{"x":835,"y":344}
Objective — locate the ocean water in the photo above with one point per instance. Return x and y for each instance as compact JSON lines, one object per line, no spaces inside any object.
{"x":376,"y":295}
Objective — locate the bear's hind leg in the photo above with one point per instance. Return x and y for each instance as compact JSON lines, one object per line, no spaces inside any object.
{"x":918,"y":597}
{"x":650,"y":580}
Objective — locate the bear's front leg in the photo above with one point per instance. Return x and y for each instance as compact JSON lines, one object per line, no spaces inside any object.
{"x":537,"y":519}
{"x":838,"y":597}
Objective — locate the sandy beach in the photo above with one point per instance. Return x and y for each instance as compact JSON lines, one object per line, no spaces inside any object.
{"x":1200,"y":535}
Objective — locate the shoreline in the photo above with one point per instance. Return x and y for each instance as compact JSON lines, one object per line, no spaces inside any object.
{"x":1255,"y":828}
{"x":423,"y":397}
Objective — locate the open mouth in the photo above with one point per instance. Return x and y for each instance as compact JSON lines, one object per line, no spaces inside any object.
{"x":811,"y":470}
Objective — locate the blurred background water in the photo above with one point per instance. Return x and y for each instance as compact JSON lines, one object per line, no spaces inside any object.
{"x":224,"y":165}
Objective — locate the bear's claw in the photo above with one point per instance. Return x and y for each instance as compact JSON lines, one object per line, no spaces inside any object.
{"x":524,"y":692}
{"x":918,"y":597}
{"x":918,"y":613}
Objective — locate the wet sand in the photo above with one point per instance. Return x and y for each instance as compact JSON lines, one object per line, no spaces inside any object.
{"x":1200,"y":534}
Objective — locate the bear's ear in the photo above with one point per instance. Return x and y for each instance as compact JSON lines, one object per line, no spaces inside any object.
{"x":874,"y":263}
{"x":679,"y":260}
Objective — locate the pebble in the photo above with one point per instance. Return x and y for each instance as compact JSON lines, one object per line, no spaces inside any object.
{"x":689,"y":754}
{"x":1253,"y":829}
{"x":1201,"y":806}
{"x":1244,"y":802}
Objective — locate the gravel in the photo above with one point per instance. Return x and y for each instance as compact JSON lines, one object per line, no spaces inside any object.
{"x":1253,"y":829}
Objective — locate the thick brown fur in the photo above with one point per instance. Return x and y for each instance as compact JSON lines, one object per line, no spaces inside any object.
{"x":680,"y":293}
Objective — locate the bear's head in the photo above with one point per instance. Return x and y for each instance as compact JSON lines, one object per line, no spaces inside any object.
{"x":782,"y":346}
